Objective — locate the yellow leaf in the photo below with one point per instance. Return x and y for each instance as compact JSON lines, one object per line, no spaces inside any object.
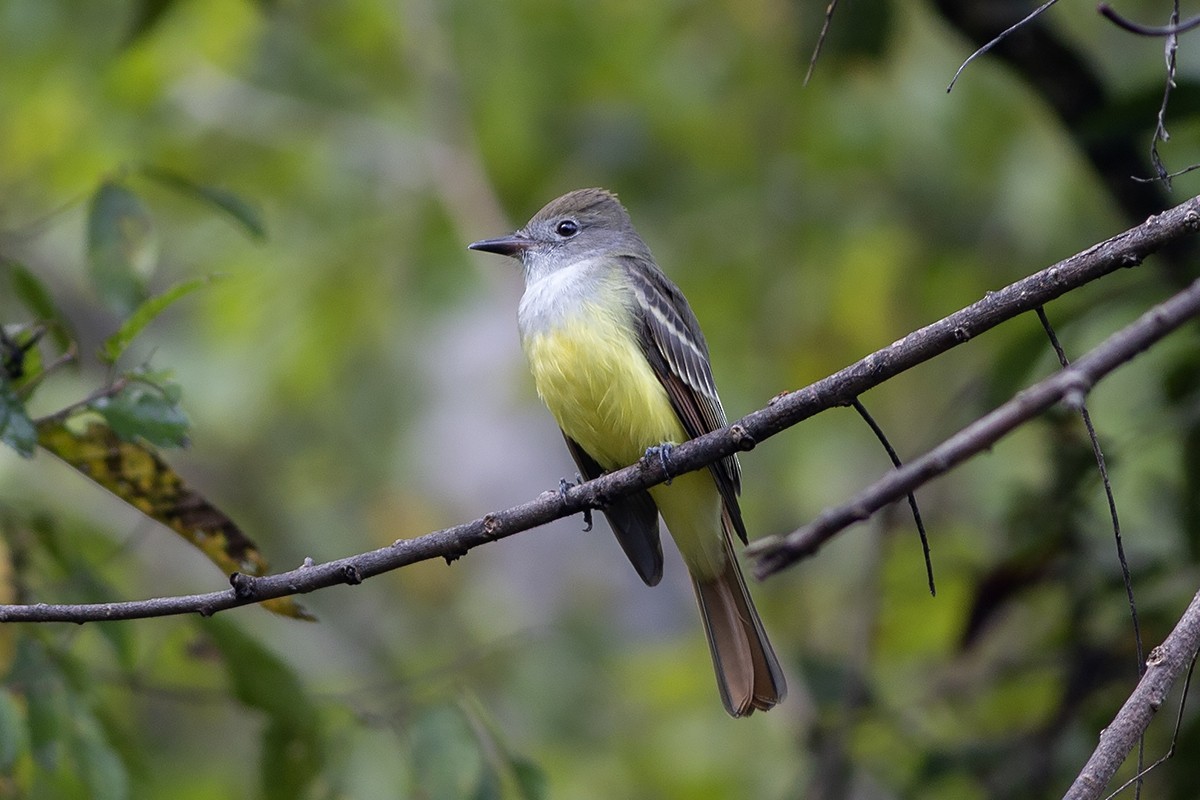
{"x":136,"y":474}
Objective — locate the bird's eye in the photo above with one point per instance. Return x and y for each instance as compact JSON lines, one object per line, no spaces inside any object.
{"x":567,"y":228}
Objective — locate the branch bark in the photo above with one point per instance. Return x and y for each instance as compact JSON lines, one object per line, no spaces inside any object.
{"x":1070,"y":385}
{"x":1163,"y":667}
{"x":1125,"y":250}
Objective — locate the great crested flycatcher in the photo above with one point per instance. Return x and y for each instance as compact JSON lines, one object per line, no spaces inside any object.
{"x":618,"y":357}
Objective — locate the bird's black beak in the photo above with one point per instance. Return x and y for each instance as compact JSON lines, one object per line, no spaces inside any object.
{"x":512,"y":245}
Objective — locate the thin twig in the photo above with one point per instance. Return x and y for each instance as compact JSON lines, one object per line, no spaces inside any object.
{"x":1125,"y":250}
{"x":1174,"y":174}
{"x":1098,"y":455}
{"x":1101,"y":464}
{"x":112,"y":390}
{"x":1070,"y":386}
{"x":1173,"y":29}
{"x":1160,"y":127}
{"x":812,"y":61}
{"x":1032,"y":15}
{"x":912,"y":498}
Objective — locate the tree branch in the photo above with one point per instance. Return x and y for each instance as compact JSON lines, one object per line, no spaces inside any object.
{"x":1069,"y":385}
{"x":1163,"y":667}
{"x":1125,"y":250}
{"x":1174,"y":29}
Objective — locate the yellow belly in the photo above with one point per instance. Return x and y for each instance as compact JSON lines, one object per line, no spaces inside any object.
{"x":592,"y":375}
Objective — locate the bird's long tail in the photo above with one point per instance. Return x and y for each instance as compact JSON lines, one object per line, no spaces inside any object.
{"x":748,"y":673}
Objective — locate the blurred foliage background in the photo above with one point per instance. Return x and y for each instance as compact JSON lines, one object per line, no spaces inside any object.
{"x":355,"y":377}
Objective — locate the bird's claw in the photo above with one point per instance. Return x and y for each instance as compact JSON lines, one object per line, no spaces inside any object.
{"x":663,"y":453}
{"x":563,"y":486}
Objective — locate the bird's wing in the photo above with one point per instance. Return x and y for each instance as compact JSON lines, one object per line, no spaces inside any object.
{"x":633,"y":519}
{"x":675,"y":347}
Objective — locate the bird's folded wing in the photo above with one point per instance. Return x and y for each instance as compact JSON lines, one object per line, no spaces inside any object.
{"x":633,"y":519}
{"x":675,"y":347}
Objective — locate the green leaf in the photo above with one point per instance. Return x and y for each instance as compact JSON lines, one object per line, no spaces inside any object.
{"x":531,"y":779}
{"x":238,"y":209}
{"x":503,"y":775}
{"x":116,"y":344}
{"x":512,"y":779}
{"x":122,"y":246}
{"x":291,"y":759}
{"x":293,"y":751}
{"x":146,"y":15}
{"x":489,"y":786}
{"x":261,"y":679}
{"x":16,"y":428}
{"x":103,"y":772}
{"x":446,"y":756}
{"x":80,"y":567}
{"x":41,"y":685}
{"x":141,"y":412}
{"x":33,"y":293}
{"x":14,"y":735}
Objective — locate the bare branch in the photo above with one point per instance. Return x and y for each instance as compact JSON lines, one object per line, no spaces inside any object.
{"x":1161,"y":134}
{"x":1174,"y":29}
{"x":816,"y":53}
{"x":1163,"y":667}
{"x":1174,"y":174}
{"x":1125,"y":250}
{"x":1069,"y":386}
{"x":1032,"y":15}
{"x":912,"y":498}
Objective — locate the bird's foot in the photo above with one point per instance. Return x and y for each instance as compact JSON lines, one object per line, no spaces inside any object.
{"x":663,"y":453}
{"x":563,"y":486}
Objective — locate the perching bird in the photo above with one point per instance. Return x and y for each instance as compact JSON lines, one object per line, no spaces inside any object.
{"x":619,"y":359}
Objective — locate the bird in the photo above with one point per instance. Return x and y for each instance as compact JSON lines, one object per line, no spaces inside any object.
{"x":618,"y":357}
